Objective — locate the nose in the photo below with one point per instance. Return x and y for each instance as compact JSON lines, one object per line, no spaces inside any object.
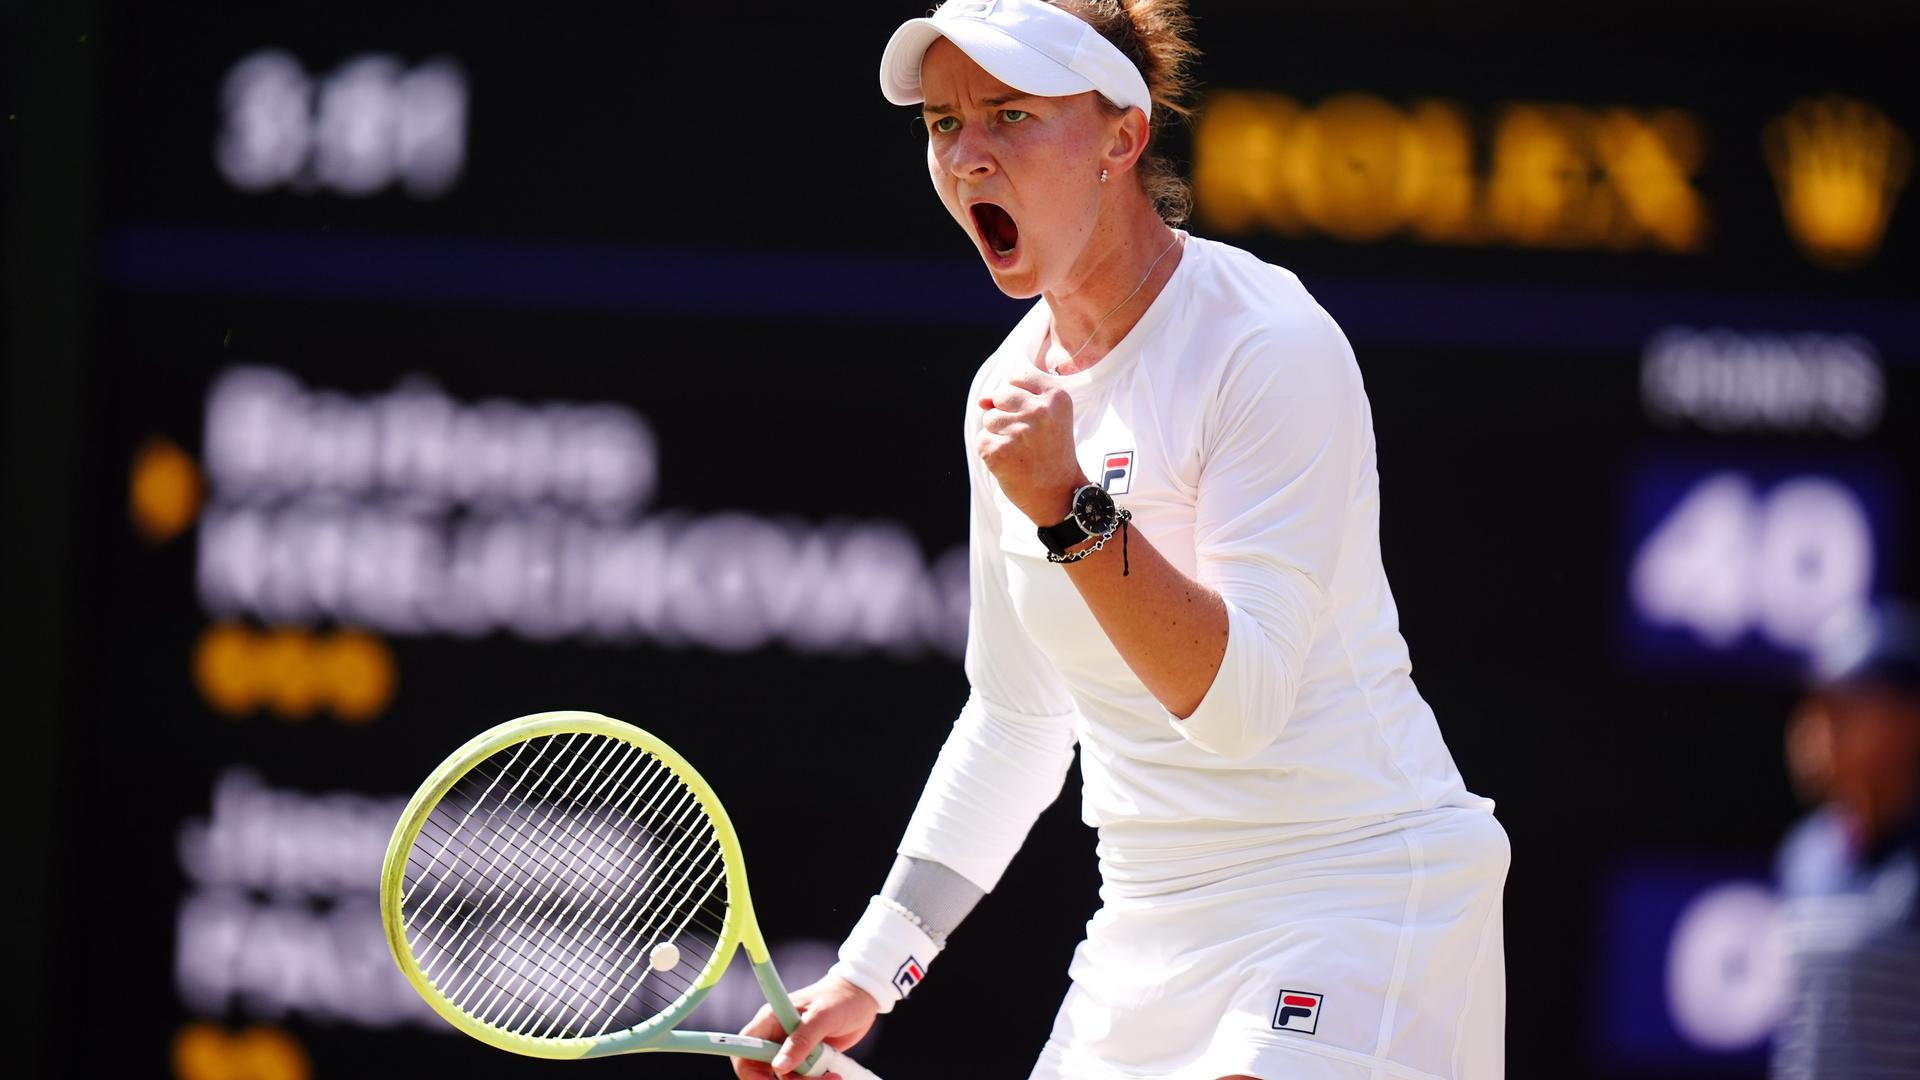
{"x":971,"y":156}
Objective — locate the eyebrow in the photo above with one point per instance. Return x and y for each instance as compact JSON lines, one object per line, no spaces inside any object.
{"x":990,"y":102}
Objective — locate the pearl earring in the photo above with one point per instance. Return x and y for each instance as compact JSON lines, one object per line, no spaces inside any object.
{"x":1103,"y":176}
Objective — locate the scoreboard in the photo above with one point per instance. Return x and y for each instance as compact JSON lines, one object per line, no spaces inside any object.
{"x":436,"y":367}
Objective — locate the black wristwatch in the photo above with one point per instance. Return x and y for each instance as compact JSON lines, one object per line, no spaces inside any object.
{"x":1093,"y":514}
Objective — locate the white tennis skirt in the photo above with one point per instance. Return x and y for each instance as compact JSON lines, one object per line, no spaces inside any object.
{"x":1371,"y":953}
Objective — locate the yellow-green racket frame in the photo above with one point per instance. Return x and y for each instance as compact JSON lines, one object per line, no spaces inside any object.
{"x":740,"y":930}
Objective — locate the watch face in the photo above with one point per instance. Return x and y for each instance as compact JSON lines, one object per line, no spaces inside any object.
{"x":1093,"y":509}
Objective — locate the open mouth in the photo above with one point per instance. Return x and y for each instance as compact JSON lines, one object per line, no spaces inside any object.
{"x":996,"y":228}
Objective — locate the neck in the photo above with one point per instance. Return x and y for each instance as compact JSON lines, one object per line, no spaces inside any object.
{"x":1103,"y":286}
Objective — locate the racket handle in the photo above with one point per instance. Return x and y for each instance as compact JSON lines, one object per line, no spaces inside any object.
{"x":833,"y":1061}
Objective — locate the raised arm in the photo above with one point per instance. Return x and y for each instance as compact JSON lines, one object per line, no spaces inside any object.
{"x":1223,"y":650}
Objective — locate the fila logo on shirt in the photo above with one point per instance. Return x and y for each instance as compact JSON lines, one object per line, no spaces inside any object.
{"x":1298,"y":1010}
{"x":1116,"y":472}
{"x":908,"y":976}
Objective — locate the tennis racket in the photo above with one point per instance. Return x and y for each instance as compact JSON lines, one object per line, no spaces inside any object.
{"x":566,"y":886}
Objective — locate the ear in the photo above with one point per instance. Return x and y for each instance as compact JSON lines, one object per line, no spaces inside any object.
{"x":1128,"y":142}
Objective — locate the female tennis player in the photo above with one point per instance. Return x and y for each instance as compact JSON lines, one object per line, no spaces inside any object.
{"x":1175,"y":566}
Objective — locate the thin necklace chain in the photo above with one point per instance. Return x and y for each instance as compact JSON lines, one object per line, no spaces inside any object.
{"x":1155,"y":265}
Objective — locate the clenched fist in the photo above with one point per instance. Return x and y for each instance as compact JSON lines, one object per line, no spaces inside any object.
{"x":1026,"y":441}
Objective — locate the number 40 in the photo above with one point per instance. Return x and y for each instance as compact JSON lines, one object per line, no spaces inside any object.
{"x":1730,"y":558}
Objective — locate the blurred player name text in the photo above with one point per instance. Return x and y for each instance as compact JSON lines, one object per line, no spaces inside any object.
{"x":409,"y":513}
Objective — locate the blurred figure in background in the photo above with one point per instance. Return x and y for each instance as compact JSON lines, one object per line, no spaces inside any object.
{"x":1850,"y":871}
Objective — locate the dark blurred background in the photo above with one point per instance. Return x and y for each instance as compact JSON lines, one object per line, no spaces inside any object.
{"x":377,"y":372}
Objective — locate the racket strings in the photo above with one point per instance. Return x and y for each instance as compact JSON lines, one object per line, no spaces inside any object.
{"x":538,"y":887}
{"x":557,"y":905}
{"x":457,"y":936}
{"x":545,"y":910}
{"x":456,"y":950}
{"x":712,"y":872}
{"x":699,"y":953}
{"x":542,"y":842}
{"x":600,"y":936}
{"x":645,"y":923}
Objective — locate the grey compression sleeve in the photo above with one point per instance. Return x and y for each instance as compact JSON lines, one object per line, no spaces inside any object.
{"x":904,"y":928}
{"x":940,"y":898}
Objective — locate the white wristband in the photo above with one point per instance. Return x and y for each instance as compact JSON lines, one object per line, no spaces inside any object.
{"x":886,"y":954}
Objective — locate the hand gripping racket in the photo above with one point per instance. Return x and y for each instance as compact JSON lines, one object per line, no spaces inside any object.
{"x":566,"y":886}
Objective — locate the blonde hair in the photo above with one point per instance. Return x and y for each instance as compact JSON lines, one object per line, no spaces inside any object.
{"x":1157,"y":35}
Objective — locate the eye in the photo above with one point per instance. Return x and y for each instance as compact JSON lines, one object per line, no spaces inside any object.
{"x":1013,"y":116}
{"x":945,"y":125}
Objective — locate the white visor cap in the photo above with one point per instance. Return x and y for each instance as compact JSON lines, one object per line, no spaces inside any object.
{"x":1030,"y":45}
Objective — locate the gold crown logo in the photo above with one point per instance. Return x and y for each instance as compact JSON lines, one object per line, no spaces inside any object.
{"x":1839,"y":165}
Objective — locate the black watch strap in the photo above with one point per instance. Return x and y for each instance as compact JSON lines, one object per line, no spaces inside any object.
{"x":1058,"y":538}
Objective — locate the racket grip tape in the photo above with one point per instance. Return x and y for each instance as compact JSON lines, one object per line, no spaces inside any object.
{"x":833,"y":1061}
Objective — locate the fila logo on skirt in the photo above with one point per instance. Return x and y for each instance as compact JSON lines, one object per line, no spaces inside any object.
{"x":1298,"y":1010}
{"x":1116,"y":472}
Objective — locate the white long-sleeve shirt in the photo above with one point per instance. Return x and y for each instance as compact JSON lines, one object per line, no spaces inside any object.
{"x":1232,"y":422}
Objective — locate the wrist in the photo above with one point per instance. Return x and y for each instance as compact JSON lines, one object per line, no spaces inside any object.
{"x":1056,"y":503}
{"x":886,"y":955}
{"x":854,"y":989}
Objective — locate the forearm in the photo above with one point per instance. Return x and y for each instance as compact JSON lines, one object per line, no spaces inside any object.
{"x":995,"y":774}
{"x":938,"y":897}
{"x":904,"y":928}
{"x":1170,"y":629}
